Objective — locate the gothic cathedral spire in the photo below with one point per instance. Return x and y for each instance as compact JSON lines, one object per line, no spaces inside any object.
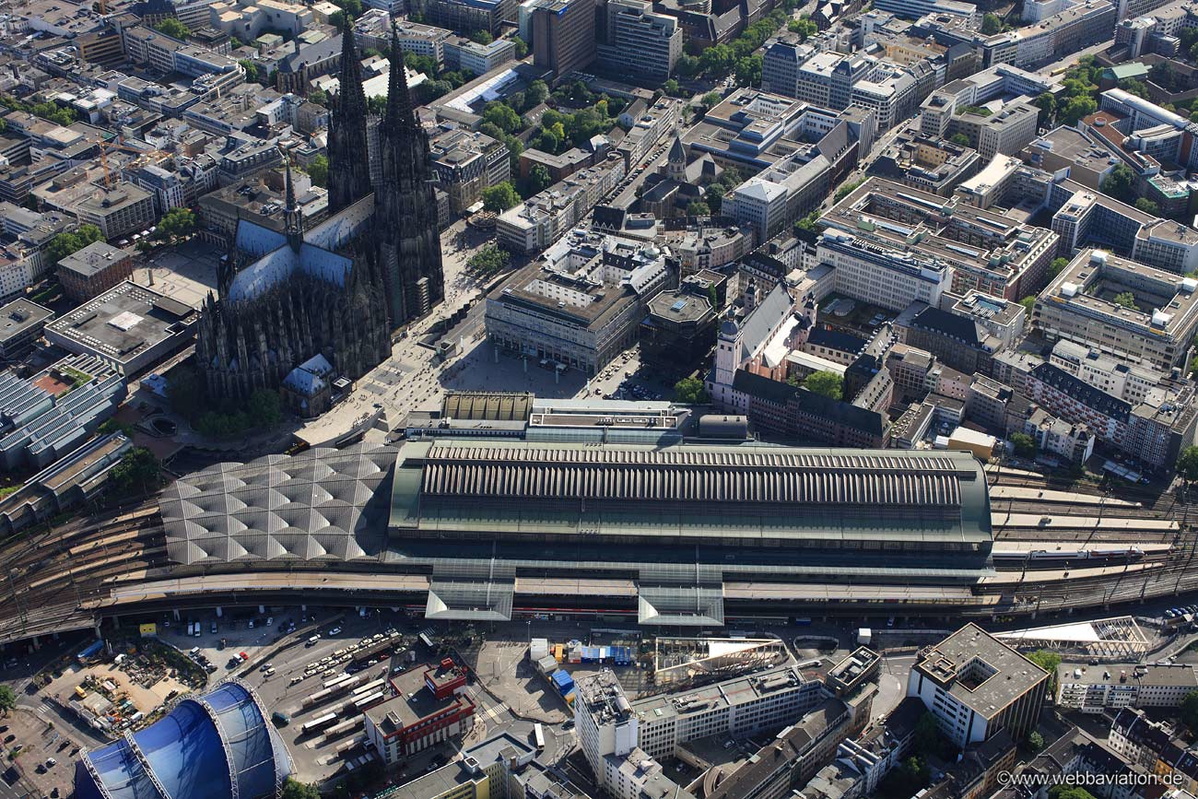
{"x":349,"y":159}
{"x":293,"y":217}
{"x":406,"y":211}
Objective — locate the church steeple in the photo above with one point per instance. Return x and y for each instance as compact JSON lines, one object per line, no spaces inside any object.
{"x":293,"y":217}
{"x":349,"y":158}
{"x":676,"y":164}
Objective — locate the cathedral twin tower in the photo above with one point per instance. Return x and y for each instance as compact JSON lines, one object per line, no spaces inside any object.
{"x":406,"y":209}
{"x":341,"y":288}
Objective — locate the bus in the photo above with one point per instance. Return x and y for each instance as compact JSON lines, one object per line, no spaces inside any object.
{"x":317,"y":724}
{"x":538,"y":734}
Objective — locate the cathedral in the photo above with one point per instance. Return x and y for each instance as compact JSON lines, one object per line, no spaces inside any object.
{"x":339,"y":289}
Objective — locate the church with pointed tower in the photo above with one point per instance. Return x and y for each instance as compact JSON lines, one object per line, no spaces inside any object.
{"x":339,"y":289}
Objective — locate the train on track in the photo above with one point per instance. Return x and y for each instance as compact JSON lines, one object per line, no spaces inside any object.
{"x":1113,"y":555}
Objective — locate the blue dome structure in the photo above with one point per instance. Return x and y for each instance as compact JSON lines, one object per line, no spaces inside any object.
{"x":218,"y":745}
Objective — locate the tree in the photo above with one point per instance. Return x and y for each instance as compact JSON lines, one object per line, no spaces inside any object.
{"x":251,"y":70}
{"x":483,"y":37}
{"x":294,"y":789}
{"x":1057,"y":265}
{"x":1120,"y":184}
{"x":960,"y":138}
{"x":318,"y":170}
{"x":991,"y":24}
{"x":539,"y":179}
{"x":1189,"y":710}
{"x":1125,"y":298}
{"x":376,"y":105}
{"x":536,"y":93}
{"x":1076,"y":108}
{"x":1047,"y":103}
{"x":687,"y":65}
{"x":1035,"y":741}
{"x":489,"y":260}
{"x":173,"y":28}
{"x":65,"y":244}
{"x":690,"y":391}
{"x":138,"y":471}
{"x":672,"y":88}
{"x":804,"y":27}
{"x":1047,"y":660}
{"x":8,"y":699}
{"x":717,"y":62}
{"x":711,"y":100}
{"x":1148,"y":206}
{"x":1133,"y":86}
{"x":1028,"y":303}
{"x":1025,"y":445}
{"x":337,"y":20}
{"x":748,"y":70}
{"x":503,"y":117}
{"x":1064,"y":791}
{"x":521,"y":47}
{"x":500,"y":197}
{"x":927,"y":736}
{"x":176,"y":223}
{"x":319,"y":96}
{"x":698,"y":208}
{"x":427,"y":91}
{"x":847,"y":189}
{"x":185,"y":392}
{"x":829,"y":384}
{"x":1187,"y":467}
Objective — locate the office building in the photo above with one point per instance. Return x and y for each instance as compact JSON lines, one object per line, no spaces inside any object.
{"x":563,"y":35}
{"x":422,"y":713}
{"x":477,"y":59}
{"x":48,"y":415}
{"x":929,"y":244}
{"x":636,"y":40}
{"x":580,"y":304}
{"x":467,"y":16}
{"x":607,"y":732}
{"x":467,"y":162}
{"x":21,"y":324}
{"x":94,"y":269}
{"x":117,"y":211}
{"x":130,"y":327}
{"x":976,"y":686}
{"x":1156,"y":328}
{"x":738,"y":708}
{"x":425,"y":40}
{"x":937,"y":166}
{"x":1095,"y":689}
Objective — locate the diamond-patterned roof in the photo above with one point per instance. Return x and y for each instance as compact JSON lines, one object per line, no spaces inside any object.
{"x":309,"y":507}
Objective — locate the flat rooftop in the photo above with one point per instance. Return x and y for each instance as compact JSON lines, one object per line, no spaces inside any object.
{"x":122,"y":322}
{"x":21,"y":315}
{"x":415,"y":701}
{"x":735,"y":692}
{"x":93,"y":259}
{"x":979,"y":671}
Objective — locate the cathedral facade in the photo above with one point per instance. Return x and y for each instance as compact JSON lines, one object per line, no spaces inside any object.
{"x":339,"y":289}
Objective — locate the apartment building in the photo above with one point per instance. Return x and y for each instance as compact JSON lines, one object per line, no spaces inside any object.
{"x":467,"y":16}
{"x":1095,"y":689}
{"x":543,"y":218}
